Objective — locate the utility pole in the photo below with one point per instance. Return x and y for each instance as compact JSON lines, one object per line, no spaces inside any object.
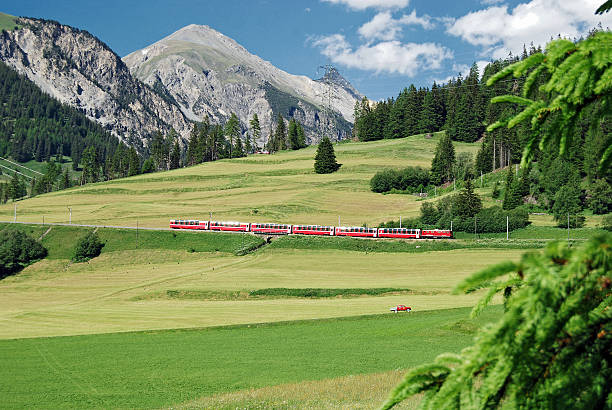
{"x":400,"y":222}
{"x":136,"y":233}
{"x":568,"y":227}
{"x":454,"y":187}
{"x":507,"y":224}
{"x":451,"y":225}
{"x":15,"y":214}
{"x":69,"y":215}
{"x":339,"y":220}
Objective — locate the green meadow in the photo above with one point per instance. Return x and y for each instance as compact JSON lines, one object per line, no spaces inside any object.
{"x":167,"y":368}
{"x":211,"y":320}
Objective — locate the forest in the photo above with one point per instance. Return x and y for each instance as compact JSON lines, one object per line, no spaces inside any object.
{"x":564,"y":185}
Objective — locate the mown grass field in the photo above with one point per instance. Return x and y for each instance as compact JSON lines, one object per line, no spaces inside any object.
{"x":185,"y":279}
{"x":278,"y":188}
{"x":167,"y":368}
{"x":210,"y":332}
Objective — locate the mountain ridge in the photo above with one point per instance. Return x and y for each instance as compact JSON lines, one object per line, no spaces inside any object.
{"x":210,"y":74}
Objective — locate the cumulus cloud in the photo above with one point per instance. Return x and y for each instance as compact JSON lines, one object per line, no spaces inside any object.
{"x":499,"y":29}
{"x":386,"y":56}
{"x":378,"y":4}
{"x":384,"y":27}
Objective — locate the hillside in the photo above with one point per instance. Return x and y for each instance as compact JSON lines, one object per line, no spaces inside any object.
{"x":78,"y":69}
{"x":210,"y":75}
{"x":278,"y":188}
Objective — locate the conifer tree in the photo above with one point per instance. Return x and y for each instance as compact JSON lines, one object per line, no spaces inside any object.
{"x":293,"y":135}
{"x":301,"y":136}
{"x":467,"y":202}
{"x":255,"y":129}
{"x":325,"y":159}
{"x":134,"y":162}
{"x":232,"y":130}
{"x":443,"y":161}
{"x":578,"y":78}
{"x":508,"y":188}
{"x":175,"y":156}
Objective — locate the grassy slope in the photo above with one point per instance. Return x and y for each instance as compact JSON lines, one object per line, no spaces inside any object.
{"x":280,"y":188}
{"x":8,"y":22}
{"x":163,"y":368}
{"x":127,"y":288}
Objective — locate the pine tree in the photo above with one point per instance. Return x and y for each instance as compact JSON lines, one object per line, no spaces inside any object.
{"x":301,"y":136}
{"x":467,"y":203}
{"x":294,"y":142}
{"x":134,"y":162}
{"x":232,"y":130}
{"x":443,"y":161}
{"x":175,"y":156}
{"x":412,"y":111}
{"x":280,"y":135}
{"x":91,"y":169}
{"x":578,"y":78}
{"x":325,"y":159}
{"x":432,"y":113}
{"x":256,"y":130}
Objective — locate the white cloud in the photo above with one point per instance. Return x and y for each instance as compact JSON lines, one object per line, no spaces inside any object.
{"x":499,"y":30}
{"x":384,"y":27}
{"x":386,"y":56}
{"x":378,"y":4}
{"x":307,"y":9}
{"x":490,"y":2}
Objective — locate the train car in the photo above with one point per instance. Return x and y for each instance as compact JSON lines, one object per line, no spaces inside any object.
{"x":436,"y":234}
{"x":357,"y":231}
{"x":229,"y":226}
{"x":403,"y":233}
{"x":277,"y":229}
{"x":188,"y":224}
{"x":313,"y":230}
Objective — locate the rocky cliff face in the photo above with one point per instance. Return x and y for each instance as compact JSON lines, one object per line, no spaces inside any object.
{"x":209,"y":74}
{"x":77,"y":68}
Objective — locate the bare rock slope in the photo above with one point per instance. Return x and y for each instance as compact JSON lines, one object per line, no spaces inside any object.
{"x":209,"y":74}
{"x":77,"y":68}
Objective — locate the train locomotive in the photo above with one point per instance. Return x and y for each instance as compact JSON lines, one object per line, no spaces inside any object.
{"x":285,"y":229}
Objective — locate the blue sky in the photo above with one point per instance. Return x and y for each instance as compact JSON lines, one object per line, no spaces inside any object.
{"x":380,"y":46}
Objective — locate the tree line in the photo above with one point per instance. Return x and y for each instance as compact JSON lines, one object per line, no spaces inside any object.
{"x":564,"y":184}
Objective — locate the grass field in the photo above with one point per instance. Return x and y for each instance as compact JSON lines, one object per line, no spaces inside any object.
{"x":278,"y":188}
{"x":166,"y":368}
{"x":215,"y":331}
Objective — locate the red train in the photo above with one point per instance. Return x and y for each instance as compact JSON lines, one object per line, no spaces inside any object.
{"x":285,"y":229}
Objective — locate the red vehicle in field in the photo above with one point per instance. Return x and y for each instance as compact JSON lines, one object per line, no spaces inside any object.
{"x":436,"y":233}
{"x":188,"y":224}
{"x":313,"y":230}
{"x":229,"y":226}
{"x":281,"y":229}
{"x":403,"y":233}
{"x":400,"y":308}
{"x":356,"y":231}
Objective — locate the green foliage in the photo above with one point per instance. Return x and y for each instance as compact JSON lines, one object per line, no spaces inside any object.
{"x":495,"y":193}
{"x":568,"y":204}
{"x":325,"y":159}
{"x":443,"y":161}
{"x":600,"y":197}
{"x":17,"y":250}
{"x":88,"y":247}
{"x":324,"y":292}
{"x":551,"y":347}
{"x":467,"y":203}
{"x":232,"y":132}
{"x":606,"y":222}
{"x":34,"y":125}
{"x":407,"y":179}
{"x":579,"y":77}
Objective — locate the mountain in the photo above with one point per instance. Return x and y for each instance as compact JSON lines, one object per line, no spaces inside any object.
{"x":78,"y":69}
{"x":209,"y":74}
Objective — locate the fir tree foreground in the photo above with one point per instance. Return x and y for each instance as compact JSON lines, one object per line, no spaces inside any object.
{"x":551,"y":349}
{"x":325,"y":159}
